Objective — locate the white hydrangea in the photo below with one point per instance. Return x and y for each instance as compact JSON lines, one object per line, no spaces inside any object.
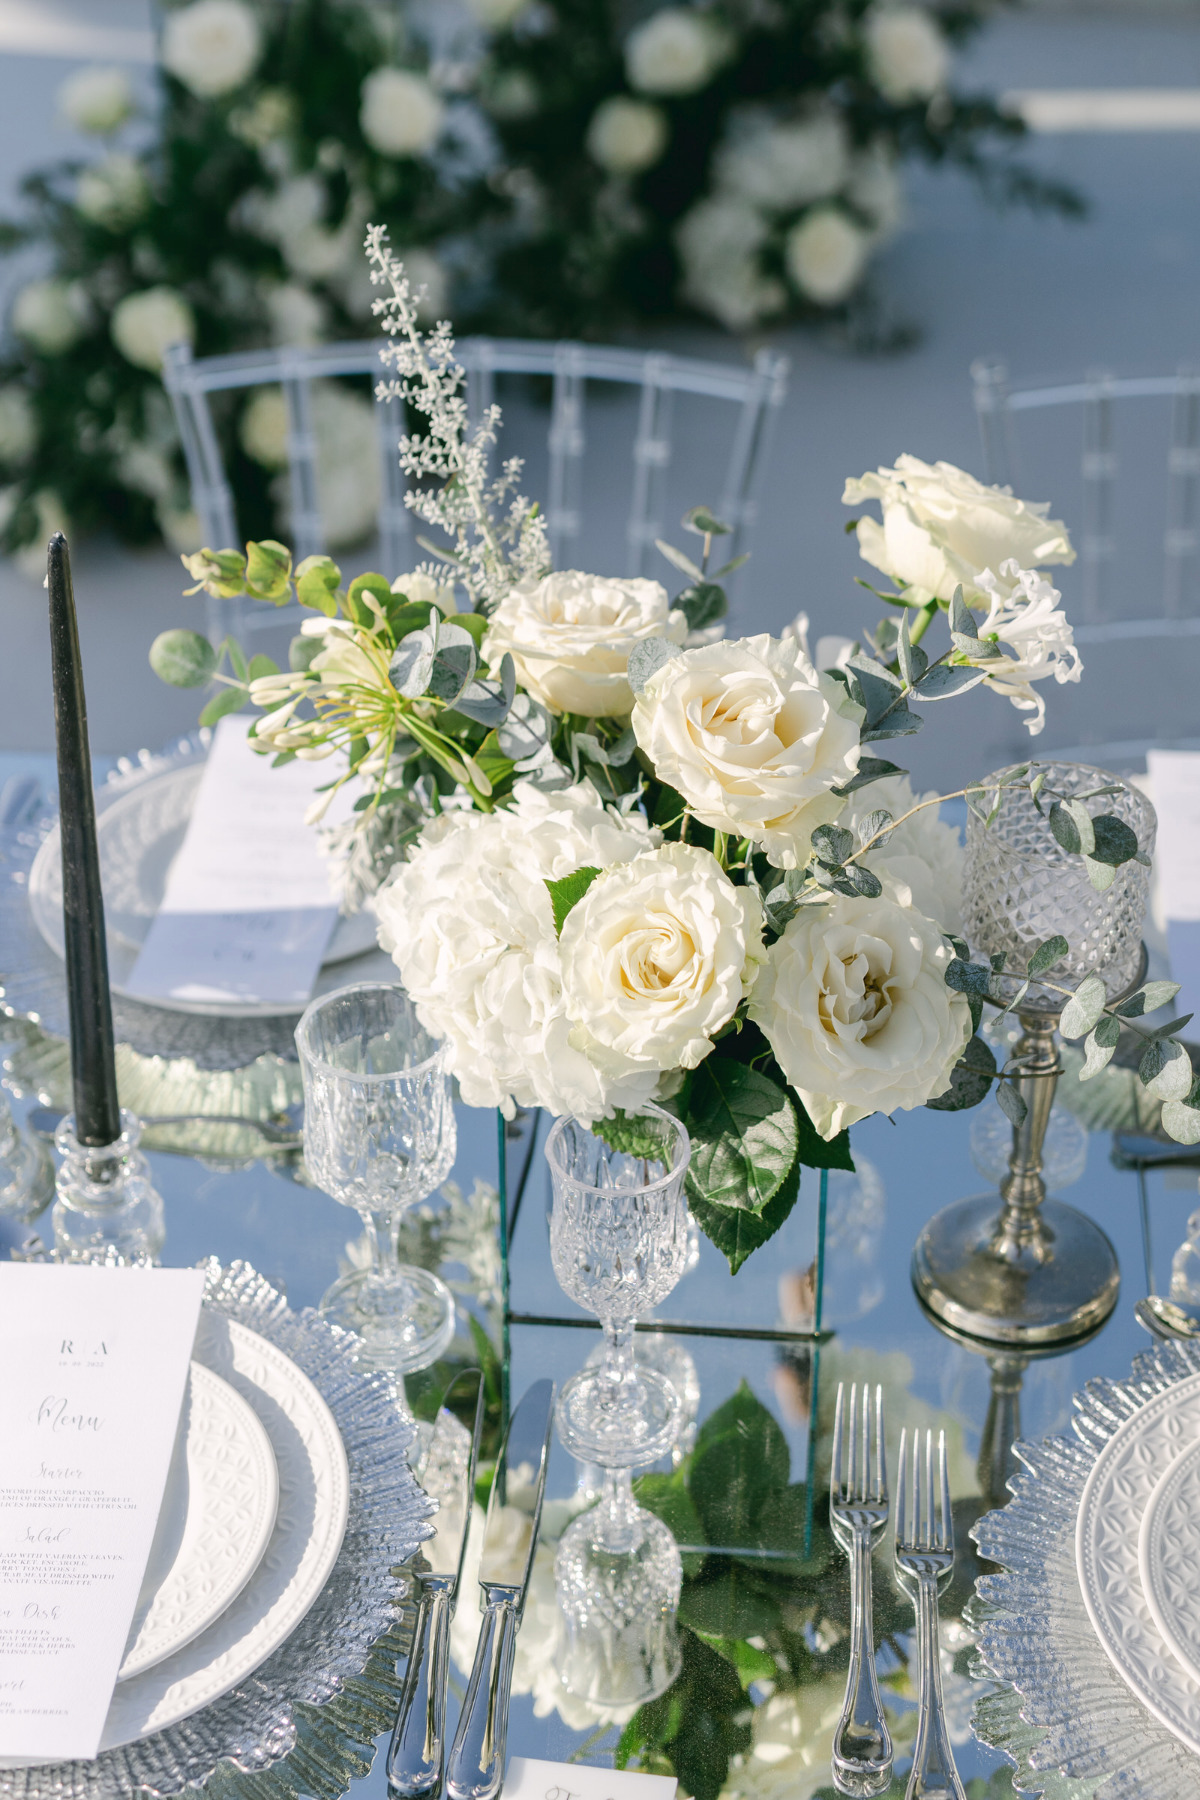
{"x":51,"y":314}
{"x":825,"y":254}
{"x":113,"y":193}
{"x":211,"y":46}
{"x":96,"y":99}
{"x":626,"y":136}
{"x":719,"y":243}
{"x":145,"y":325}
{"x":18,"y":427}
{"x":675,"y":51}
{"x":401,"y":115}
{"x":924,"y":852}
{"x":782,"y":164}
{"x":469,"y":924}
{"x":907,"y":56}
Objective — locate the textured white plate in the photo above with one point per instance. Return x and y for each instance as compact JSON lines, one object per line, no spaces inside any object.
{"x":314,"y":1494}
{"x":1169,"y":1558}
{"x":138,"y":836}
{"x":1117,"y":1493}
{"x":217,"y":1517}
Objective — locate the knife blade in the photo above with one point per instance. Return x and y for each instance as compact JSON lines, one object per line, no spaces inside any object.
{"x":476,"y":1766}
{"x":416,"y":1755}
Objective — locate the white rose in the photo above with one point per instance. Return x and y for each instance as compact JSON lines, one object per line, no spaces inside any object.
{"x":785,"y":164}
{"x":469,"y":924}
{"x":719,"y":242}
{"x":211,"y":46}
{"x":145,"y":325}
{"x":296,"y":316}
{"x":941,"y":528}
{"x":96,"y":99}
{"x":924,"y":853}
{"x":421,"y":585}
{"x":400,"y":113}
{"x":626,"y":136}
{"x":570,"y":635}
{"x":854,"y":1003}
{"x":1024,"y":617}
{"x":51,"y":314}
{"x":113,"y":193}
{"x":656,"y":958}
{"x":263,"y":428}
{"x":753,"y":738}
{"x":18,"y":427}
{"x":792,"y":1743}
{"x":907,"y":56}
{"x":825,"y":254}
{"x":674,"y":51}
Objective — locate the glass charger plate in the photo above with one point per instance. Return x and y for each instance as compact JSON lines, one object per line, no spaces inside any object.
{"x":1056,"y":1707}
{"x":306,"y":1719}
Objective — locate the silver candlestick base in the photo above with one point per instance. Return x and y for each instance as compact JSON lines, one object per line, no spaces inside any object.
{"x":107,"y":1209}
{"x":1035,"y":1271}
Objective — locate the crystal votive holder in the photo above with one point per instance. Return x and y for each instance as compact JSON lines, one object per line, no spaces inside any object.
{"x":107,"y":1207}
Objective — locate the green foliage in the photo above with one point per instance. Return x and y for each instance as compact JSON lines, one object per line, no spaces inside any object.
{"x":970,"y":1078}
{"x":183,"y":658}
{"x":744,"y":1135}
{"x":569,"y":892}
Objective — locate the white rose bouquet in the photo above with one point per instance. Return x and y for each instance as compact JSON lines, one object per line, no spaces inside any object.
{"x":611,"y":868}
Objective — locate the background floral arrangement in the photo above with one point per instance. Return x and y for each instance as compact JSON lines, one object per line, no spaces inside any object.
{"x":623,"y":859}
{"x":547,"y":167}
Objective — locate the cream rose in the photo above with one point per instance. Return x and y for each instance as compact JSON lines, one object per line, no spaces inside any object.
{"x":753,"y":738}
{"x":96,"y":99}
{"x":570,"y":635}
{"x":923,"y":853}
{"x":941,"y":528}
{"x":908,"y":57}
{"x":211,"y":46}
{"x":480,"y":956}
{"x":656,"y":958}
{"x":145,"y":325}
{"x":854,"y":1003}
{"x":825,"y":254}
{"x":401,"y":115}
{"x":677,"y":50}
{"x":626,"y":136}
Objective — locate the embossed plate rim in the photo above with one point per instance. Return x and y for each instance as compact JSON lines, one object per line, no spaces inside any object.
{"x":1187,"y":1651}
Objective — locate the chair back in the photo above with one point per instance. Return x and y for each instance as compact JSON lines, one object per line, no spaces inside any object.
{"x":753,"y":393}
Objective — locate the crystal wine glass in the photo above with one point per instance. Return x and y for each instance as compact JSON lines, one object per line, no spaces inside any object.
{"x":379,"y":1135}
{"x":619,"y":1244}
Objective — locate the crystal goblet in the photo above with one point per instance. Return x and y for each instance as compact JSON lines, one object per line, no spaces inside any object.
{"x":619,"y":1244}
{"x":379,"y":1135}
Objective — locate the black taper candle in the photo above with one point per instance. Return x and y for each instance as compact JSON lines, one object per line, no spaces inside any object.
{"x":93,"y":1066}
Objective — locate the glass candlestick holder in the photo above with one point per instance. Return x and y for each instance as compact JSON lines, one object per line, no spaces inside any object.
{"x":1023,"y":1269}
{"x":108,"y":1208}
{"x":26,"y":1170}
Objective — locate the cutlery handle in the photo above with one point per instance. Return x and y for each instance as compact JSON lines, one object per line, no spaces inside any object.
{"x":934,"y":1776}
{"x":477,"y":1758}
{"x":862,"y":1744}
{"x":418,"y":1749}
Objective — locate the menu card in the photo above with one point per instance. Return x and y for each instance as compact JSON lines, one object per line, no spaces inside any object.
{"x":248,"y":908}
{"x":529,"y":1778}
{"x":95,"y":1365}
{"x":1175,"y":779}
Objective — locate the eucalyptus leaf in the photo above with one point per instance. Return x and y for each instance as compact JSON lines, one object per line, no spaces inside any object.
{"x":1099,"y":1046}
{"x":962,"y":619}
{"x":901,"y":723}
{"x":970,"y":1078}
{"x":702,"y":604}
{"x":1084,"y":1008}
{"x":1171,"y":1079}
{"x":857,"y":881}
{"x":1115,"y":841}
{"x":648,"y":655}
{"x":1148,"y":999}
{"x":1100,"y":874}
{"x":832,"y":843}
{"x":183,"y":658}
{"x":681,"y":561}
{"x":704,"y":523}
{"x":1064,"y":829}
{"x":876,"y":822}
{"x":870,"y":768}
{"x":912,"y":659}
{"x":1181,"y":1118}
{"x":227,"y":701}
{"x":944,"y":679}
{"x":1011,"y":1104}
{"x":1047,"y":954}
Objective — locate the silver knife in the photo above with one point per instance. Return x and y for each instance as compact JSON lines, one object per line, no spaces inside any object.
{"x":417,"y":1752}
{"x":476,"y":1770}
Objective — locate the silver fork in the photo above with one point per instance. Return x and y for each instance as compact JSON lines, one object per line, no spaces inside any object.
{"x":858,"y":1511}
{"x":924,"y":1559}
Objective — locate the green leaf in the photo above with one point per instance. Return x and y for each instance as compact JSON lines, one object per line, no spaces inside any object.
{"x":962,"y":619}
{"x":356,"y":598}
{"x":647,"y":656}
{"x":667,"y":1497}
{"x":269,"y":572}
{"x":1064,"y":829}
{"x":1011,"y":1103}
{"x":182,"y":658}
{"x":870,"y":768}
{"x":629,"y":1134}
{"x":1046,"y":955}
{"x":832,"y":843}
{"x":751,"y":1664}
{"x":730,"y":1601}
{"x":744,"y":1135}
{"x":1115,"y":841}
{"x":1148,"y":999}
{"x":912,"y":659}
{"x":260,"y":666}
{"x":681,"y":561}
{"x":1101,"y":875}
{"x":741,"y":1457}
{"x":318,"y":580}
{"x":736,"y":1233}
{"x":732,"y":566}
{"x":404,"y":616}
{"x":1166,"y":1069}
{"x":1083,"y":1008}
{"x":1181,"y":1118}
{"x":569,"y":892}
{"x":704,"y":523}
{"x":702,"y":604}
{"x":227,"y":701}
{"x":860,"y":883}
{"x":475,"y":624}
{"x":945,"y":679}
{"x":1099,"y":1046}
{"x":302,"y":651}
{"x":237,"y":659}
{"x":970,"y":1078}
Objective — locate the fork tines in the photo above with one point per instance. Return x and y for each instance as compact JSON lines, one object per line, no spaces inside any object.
{"x":923,"y":1517}
{"x":866,"y":1474}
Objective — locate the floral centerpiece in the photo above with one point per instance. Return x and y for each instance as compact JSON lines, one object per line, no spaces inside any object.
{"x":618,"y":861}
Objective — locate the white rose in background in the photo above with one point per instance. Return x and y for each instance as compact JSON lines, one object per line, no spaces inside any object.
{"x":923,"y":853}
{"x":941,"y":527}
{"x":854,"y":1003}
{"x":570,"y":635}
{"x":656,"y":958}
{"x":145,"y":325}
{"x":626,"y":136}
{"x":113,"y":193}
{"x":52,"y":315}
{"x":18,"y":427}
{"x":792,"y":1742}
{"x":1024,"y":616}
{"x":263,"y":428}
{"x":753,"y":738}
{"x":784,"y":164}
{"x":421,"y":585}
{"x":98,"y":99}
{"x":907,"y":56}
{"x":401,"y":115}
{"x":470,"y":926}
{"x":211,"y":46}
{"x":719,"y":243}
{"x":675,"y":51}
{"x":825,"y":254}
{"x":295,"y":315}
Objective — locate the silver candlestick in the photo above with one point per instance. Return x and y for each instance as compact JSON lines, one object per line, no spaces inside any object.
{"x":1033,"y":1270}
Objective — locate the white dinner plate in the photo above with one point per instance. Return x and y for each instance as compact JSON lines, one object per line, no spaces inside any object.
{"x":314,"y":1498}
{"x":217,"y":1516}
{"x":1169,"y":1557}
{"x":138,"y":836}
{"x":1107,"y":1533}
